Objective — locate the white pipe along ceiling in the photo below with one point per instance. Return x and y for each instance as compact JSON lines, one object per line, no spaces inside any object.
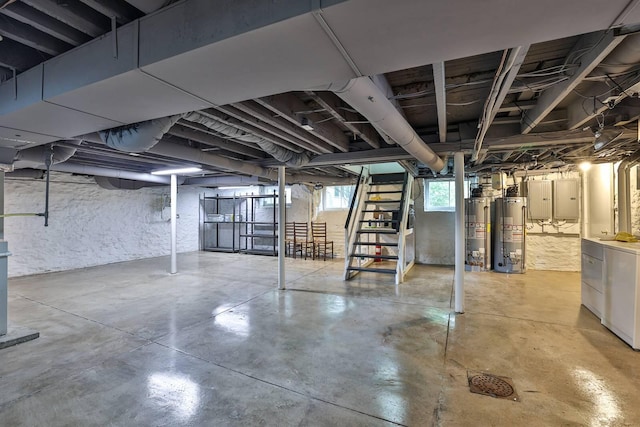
{"x":142,"y":76}
{"x":367,"y":98}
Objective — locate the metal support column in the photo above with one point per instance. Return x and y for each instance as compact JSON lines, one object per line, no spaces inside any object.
{"x":458,"y":171}
{"x":282,"y":210}
{"x":174,"y":224}
{"x":4,"y":318}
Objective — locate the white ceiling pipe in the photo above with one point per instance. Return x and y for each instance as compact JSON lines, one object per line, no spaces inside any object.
{"x":363,"y":95}
{"x":624,"y":192}
{"x":79,"y":169}
{"x":194,"y":155}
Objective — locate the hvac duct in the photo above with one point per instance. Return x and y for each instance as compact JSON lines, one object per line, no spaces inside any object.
{"x":281,"y":154}
{"x":37,"y":156}
{"x":26,"y":173}
{"x":623,"y":58}
{"x":111,"y":183}
{"x":363,"y":95}
{"x":138,"y":137}
{"x":79,"y":169}
{"x":624,"y":191}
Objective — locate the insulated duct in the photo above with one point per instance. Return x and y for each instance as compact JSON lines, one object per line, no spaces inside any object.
{"x":26,"y":173}
{"x":281,"y":154}
{"x":111,"y":183}
{"x":363,"y":95}
{"x":37,"y":156}
{"x":139,"y":137}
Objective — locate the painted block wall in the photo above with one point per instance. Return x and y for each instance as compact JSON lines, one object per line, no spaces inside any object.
{"x":556,"y":245}
{"x":435,"y":241}
{"x":89,"y":225}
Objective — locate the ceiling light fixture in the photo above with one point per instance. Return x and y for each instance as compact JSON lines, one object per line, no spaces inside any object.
{"x":585,"y":166}
{"x":306,"y":124}
{"x":177,"y":171}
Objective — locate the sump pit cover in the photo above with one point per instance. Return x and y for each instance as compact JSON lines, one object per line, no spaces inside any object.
{"x":492,"y":385}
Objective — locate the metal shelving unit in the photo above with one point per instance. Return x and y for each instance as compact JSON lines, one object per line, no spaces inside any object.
{"x":219,"y":229}
{"x":260,"y":236}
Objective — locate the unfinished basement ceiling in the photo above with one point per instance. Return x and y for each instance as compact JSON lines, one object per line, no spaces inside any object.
{"x":548,"y":91}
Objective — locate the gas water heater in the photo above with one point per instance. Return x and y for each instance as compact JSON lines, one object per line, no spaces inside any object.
{"x":478,"y":233}
{"x":509,"y":249}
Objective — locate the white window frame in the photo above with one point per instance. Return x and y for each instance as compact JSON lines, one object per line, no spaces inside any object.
{"x":324,"y":198}
{"x":268,"y":191}
{"x":451,"y":207}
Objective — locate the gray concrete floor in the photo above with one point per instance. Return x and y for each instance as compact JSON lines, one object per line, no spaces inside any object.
{"x":127,"y":344}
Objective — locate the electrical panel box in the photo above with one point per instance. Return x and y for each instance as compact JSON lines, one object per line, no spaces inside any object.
{"x":539,"y":200}
{"x":566,"y":202}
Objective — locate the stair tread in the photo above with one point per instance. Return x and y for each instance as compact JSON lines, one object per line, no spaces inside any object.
{"x":382,"y":201}
{"x":372,"y":270}
{"x":375,"y":244}
{"x":376,"y":231}
{"x":385,"y":192}
{"x":392,"y":257}
{"x":381,"y":210}
{"x":377,"y":221}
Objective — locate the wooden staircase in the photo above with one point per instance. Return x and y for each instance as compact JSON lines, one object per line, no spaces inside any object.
{"x":379,"y":226}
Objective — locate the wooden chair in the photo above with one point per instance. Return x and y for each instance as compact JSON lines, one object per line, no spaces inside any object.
{"x":321,"y":245}
{"x":289,"y":238}
{"x":301,"y":242}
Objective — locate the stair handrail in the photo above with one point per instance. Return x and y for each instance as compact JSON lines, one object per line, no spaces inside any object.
{"x":355,"y":211}
{"x":353,"y":200}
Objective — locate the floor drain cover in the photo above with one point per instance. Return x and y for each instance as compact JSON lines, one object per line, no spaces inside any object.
{"x":492,"y":385}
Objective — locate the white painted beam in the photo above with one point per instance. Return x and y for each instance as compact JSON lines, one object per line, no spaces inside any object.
{"x":598,"y":46}
{"x":501,"y":85}
{"x":441,"y":99}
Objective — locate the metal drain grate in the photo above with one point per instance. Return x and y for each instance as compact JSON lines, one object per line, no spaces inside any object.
{"x":492,"y":385}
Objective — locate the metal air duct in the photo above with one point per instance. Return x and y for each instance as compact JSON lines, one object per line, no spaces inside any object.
{"x":139,"y":137}
{"x":282,"y":154}
{"x":363,"y":95}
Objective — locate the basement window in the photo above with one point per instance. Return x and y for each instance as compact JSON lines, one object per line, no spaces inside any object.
{"x":440,"y":195}
{"x":269,"y":191}
{"x":336,"y":197}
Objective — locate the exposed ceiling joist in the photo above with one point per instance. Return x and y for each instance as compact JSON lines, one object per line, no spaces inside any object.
{"x":505,"y":76}
{"x":75,"y":14}
{"x":584,"y":110}
{"x":286,"y":106}
{"x":441,"y":99}
{"x":121,"y":10}
{"x":211,"y":140}
{"x":597,"y":45}
{"x":516,"y":107}
{"x":18,"y":56}
{"x":361,"y":157}
{"x":31,"y":37}
{"x":267,"y":116}
{"x":249,"y":124}
{"x":45,"y":23}
{"x":331,"y":104}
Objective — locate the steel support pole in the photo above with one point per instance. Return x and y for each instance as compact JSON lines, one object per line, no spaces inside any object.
{"x":458,"y":171}
{"x":4,"y":315}
{"x":174,"y":224}
{"x":282,"y":210}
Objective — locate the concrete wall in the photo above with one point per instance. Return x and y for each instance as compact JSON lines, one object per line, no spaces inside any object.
{"x":90,"y":226}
